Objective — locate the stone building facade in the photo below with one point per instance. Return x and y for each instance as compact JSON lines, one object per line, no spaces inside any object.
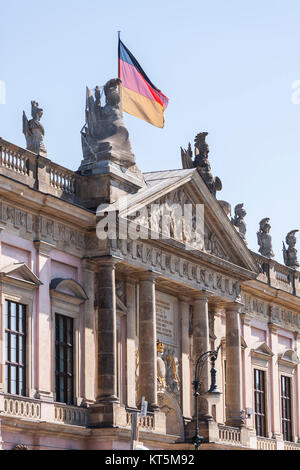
{"x":81,"y":315}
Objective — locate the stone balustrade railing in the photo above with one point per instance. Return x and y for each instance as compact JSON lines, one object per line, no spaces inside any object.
{"x":147,"y":422}
{"x":70,"y":415}
{"x":38,"y":172}
{"x":266,"y":444}
{"x":22,"y":408}
{"x":229,"y":435}
{"x":292,"y":446}
{"x":278,"y":275}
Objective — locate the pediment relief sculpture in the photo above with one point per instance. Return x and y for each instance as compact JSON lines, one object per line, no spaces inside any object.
{"x":176,"y":216}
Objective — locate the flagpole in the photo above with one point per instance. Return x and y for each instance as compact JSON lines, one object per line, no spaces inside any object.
{"x":119,"y":38}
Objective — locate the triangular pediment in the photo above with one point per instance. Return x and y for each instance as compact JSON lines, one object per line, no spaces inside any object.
{"x":20,"y":272}
{"x":260,"y":348}
{"x":182,"y":189}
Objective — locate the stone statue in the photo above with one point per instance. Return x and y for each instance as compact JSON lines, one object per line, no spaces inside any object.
{"x":201,"y":162}
{"x":264,"y":238}
{"x":239,"y":222}
{"x":161,"y":366}
{"x":34,"y":131}
{"x":226,"y":206}
{"x":290,"y":253}
{"x":104,"y":136}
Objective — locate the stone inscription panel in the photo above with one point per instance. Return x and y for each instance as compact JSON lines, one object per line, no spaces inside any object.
{"x":166,"y":315}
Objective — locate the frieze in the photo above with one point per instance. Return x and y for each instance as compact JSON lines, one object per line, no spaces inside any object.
{"x":270,"y":313}
{"x":42,"y":227}
{"x":179,"y":268}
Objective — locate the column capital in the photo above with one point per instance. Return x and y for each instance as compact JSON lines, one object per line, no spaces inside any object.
{"x":297,"y":335}
{"x":273,"y":328}
{"x":43,"y":247}
{"x":148,"y":276}
{"x":107,"y":261}
{"x":246,"y":319}
{"x":202,"y":295}
{"x":184,"y":299}
{"x":233,"y":307}
{"x":89,"y":264}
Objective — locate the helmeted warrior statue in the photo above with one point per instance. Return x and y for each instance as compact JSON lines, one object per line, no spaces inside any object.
{"x":34,"y":131}
{"x":201,"y":162}
{"x":290,"y":253}
{"x":104,"y":136}
{"x":239,"y":222}
{"x":264,"y":238}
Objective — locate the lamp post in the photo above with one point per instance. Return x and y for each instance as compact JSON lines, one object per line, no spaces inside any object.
{"x":213,"y":389}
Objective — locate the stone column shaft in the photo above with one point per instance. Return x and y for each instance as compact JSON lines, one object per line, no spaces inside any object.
{"x":147,"y":341}
{"x":233,"y":368}
{"x":130,"y":345}
{"x":248,"y":374}
{"x":201,"y":345}
{"x":275,"y":385}
{"x":106,"y":334}
{"x":88,"y":275}
{"x":185,"y":358}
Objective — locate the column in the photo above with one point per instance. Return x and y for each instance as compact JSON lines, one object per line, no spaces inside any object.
{"x":106,"y":333}
{"x":184,"y":309}
{"x":44,"y":324}
{"x":88,"y":279}
{"x":275,"y":385}
{"x":130,"y":342}
{"x":297,"y":378}
{"x":201,"y":345}
{"x":233,"y":367}
{"x":247,"y":372}
{"x":147,"y":341}
{"x":218,"y":331}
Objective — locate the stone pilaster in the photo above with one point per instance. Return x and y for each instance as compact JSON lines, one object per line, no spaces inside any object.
{"x":297,"y":378}
{"x":130,"y":342}
{"x":88,"y":277}
{"x":43,"y":342}
{"x":147,"y":340}
{"x":106,"y":333}
{"x":184,"y":309}
{"x":247,"y":370}
{"x":233,"y":367}
{"x":201,"y":345}
{"x":275,"y":384}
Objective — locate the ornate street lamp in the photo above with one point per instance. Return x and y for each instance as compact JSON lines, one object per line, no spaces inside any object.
{"x":213,"y":389}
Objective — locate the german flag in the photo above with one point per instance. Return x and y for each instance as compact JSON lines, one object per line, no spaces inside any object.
{"x":139,"y":96}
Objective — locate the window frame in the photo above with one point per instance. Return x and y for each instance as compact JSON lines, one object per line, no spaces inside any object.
{"x":291,"y":420}
{"x":26,"y":297}
{"x":65,"y":346}
{"x":69,"y":306}
{"x":18,"y":333}
{"x":263,"y":393}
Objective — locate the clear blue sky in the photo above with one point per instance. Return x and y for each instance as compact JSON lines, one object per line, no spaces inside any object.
{"x":227,"y":67}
